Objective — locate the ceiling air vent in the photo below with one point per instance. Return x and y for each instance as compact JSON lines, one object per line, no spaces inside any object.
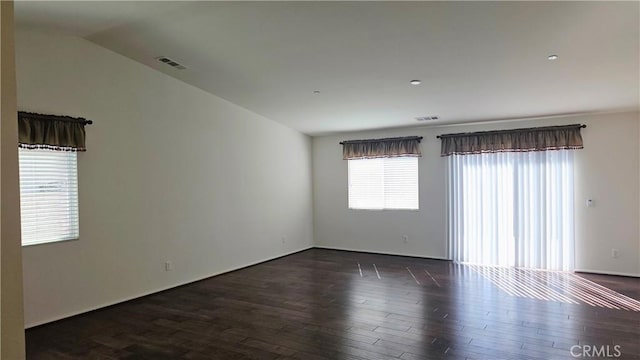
{"x":427,"y":118}
{"x":170,"y":62}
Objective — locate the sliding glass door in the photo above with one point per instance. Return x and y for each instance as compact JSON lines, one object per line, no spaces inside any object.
{"x":512,"y":209}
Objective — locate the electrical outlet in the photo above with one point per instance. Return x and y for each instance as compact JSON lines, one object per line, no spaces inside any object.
{"x":615,"y":253}
{"x":168,"y":266}
{"x":405,"y":239}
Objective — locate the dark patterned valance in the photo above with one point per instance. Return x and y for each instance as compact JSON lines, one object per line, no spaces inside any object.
{"x":515,"y":140}
{"x":380,"y":148}
{"x":62,"y":133}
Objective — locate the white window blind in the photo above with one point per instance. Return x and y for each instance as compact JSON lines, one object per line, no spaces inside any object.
{"x":512,"y":209}
{"x":48,"y":195}
{"x":383,"y":183}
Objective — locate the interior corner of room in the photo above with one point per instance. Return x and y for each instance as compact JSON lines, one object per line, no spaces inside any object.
{"x":181,"y":182}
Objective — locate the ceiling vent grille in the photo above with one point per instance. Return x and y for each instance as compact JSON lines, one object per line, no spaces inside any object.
{"x":427,"y":118}
{"x":171,"y":63}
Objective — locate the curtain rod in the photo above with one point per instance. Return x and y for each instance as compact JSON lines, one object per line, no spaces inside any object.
{"x":56,"y":117}
{"x":512,"y":130}
{"x":380,"y":140}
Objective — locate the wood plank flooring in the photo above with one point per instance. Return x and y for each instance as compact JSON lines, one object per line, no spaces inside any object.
{"x":327,"y":304}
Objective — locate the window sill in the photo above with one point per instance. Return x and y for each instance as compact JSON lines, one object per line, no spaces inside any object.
{"x":49,"y":242}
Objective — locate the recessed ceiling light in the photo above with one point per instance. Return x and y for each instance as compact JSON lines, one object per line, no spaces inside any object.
{"x":415,"y":82}
{"x":552,"y":57}
{"x":316,"y":92}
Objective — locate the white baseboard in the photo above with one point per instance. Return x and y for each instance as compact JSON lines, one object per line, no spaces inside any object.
{"x":380,"y":252}
{"x":115,"y":302}
{"x":606,"y":272}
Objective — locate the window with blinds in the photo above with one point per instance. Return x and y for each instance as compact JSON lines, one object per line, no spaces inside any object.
{"x":384,"y":183}
{"x":48,"y":195}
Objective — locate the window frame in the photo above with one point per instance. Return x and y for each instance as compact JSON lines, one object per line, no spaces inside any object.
{"x":383,"y":208}
{"x":69,"y":189}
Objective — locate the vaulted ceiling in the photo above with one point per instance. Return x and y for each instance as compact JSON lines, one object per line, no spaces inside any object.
{"x":323,"y":67}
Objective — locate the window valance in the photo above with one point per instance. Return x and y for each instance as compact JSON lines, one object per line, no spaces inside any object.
{"x":381,"y":148}
{"x":62,"y":133}
{"x":515,"y":140}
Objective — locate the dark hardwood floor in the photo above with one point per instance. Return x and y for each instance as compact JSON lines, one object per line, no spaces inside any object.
{"x":326,"y":304}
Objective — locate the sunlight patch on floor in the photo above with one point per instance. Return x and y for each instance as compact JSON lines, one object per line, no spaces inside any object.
{"x":555,"y":286}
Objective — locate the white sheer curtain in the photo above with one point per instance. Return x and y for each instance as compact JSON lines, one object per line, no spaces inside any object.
{"x":512,"y":209}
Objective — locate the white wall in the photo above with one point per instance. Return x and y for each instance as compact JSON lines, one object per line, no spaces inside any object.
{"x":607,"y":171}
{"x":171,"y":173}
